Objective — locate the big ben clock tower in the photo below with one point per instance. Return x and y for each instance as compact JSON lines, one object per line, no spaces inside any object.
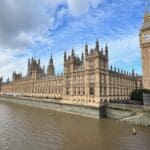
{"x":145,"y":49}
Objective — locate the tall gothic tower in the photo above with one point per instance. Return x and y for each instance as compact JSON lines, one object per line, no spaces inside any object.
{"x":51,"y":68}
{"x":145,"y":49}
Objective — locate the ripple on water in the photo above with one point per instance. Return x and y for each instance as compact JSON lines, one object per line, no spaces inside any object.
{"x":27,"y":128}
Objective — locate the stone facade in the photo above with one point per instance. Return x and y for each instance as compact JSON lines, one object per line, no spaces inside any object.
{"x":145,"y":50}
{"x":87,"y":80}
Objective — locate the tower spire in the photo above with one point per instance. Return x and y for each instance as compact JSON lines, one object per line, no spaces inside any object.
{"x":51,"y":67}
{"x":65,"y":56}
{"x":86,"y":49}
{"x":106,"y":50}
{"x":51,"y":59}
{"x":133,"y":73}
{"x":97,"y":45}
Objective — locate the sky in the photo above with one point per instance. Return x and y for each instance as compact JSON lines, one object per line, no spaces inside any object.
{"x":35,"y":28}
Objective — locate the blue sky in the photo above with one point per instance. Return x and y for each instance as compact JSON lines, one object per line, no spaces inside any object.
{"x":53,"y":26}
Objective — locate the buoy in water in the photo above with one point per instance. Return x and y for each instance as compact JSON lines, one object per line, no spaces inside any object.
{"x":133,"y":131}
{"x":51,"y":114}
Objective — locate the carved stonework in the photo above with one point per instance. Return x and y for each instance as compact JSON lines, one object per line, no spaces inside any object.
{"x":86,"y":80}
{"x":145,"y":50}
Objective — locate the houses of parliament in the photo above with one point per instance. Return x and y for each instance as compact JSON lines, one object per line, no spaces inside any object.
{"x":85,"y":80}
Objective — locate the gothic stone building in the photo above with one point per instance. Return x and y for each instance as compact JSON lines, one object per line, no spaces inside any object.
{"x":86,"y":80}
{"x":145,"y":50}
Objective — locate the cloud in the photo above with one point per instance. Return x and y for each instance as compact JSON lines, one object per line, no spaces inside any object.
{"x":125,"y":53}
{"x":78,"y":7}
{"x":13,"y":60}
{"x":22,"y":24}
{"x":95,"y":3}
{"x":57,"y":25}
{"x":20,"y":21}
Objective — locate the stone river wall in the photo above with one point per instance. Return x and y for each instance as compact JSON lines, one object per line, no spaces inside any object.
{"x":89,"y":111}
{"x":131,"y":114}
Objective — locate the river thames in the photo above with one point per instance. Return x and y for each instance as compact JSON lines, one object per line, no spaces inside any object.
{"x":28,"y":128}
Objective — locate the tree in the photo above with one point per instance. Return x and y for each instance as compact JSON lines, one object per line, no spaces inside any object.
{"x":137,"y":95}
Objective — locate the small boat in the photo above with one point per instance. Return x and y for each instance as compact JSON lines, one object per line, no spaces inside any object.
{"x":133,"y":131}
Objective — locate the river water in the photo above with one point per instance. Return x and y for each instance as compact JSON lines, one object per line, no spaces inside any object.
{"x":29,"y":128}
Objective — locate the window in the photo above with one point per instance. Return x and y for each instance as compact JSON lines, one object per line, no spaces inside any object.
{"x":91,"y":89}
{"x":91,"y":78}
{"x":67,"y":85}
{"x":67,"y":90}
{"x":83,"y":90}
{"x":74,"y":91}
{"x":79,"y":91}
{"x":103,"y":79}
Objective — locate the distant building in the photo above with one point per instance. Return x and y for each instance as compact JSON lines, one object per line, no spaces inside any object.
{"x":85,"y":80}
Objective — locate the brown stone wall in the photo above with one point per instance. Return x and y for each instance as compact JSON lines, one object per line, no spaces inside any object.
{"x":6,"y":88}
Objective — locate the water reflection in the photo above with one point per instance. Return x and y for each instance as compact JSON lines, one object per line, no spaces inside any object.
{"x":28,"y":128}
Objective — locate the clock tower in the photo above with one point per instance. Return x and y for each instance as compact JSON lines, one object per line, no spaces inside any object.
{"x":145,"y":50}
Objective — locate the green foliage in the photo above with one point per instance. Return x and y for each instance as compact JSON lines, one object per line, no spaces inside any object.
{"x":137,"y":95}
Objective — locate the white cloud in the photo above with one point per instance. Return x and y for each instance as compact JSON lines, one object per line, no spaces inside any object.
{"x":9,"y":62}
{"x":23,"y":20}
{"x":125,"y":52}
{"x":95,"y":3}
{"x":19,"y":17}
{"x":78,"y":7}
{"x":24,"y":23}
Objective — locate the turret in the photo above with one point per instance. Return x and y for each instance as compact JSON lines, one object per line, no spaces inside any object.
{"x":1,"y":80}
{"x":65,"y":56}
{"x":106,"y":51}
{"x":86,"y":49}
{"x":51,"y":69}
{"x":82,"y":57}
{"x":97,"y":45}
{"x":111,"y":68}
{"x":7,"y":80}
{"x":72,"y":53}
{"x":28,"y":61}
{"x":51,"y":60}
{"x":15,"y":76}
{"x":133,"y":73}
{"x":38,"y":61}
{"x":102,"y":51}
{"x":28,"y":67}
